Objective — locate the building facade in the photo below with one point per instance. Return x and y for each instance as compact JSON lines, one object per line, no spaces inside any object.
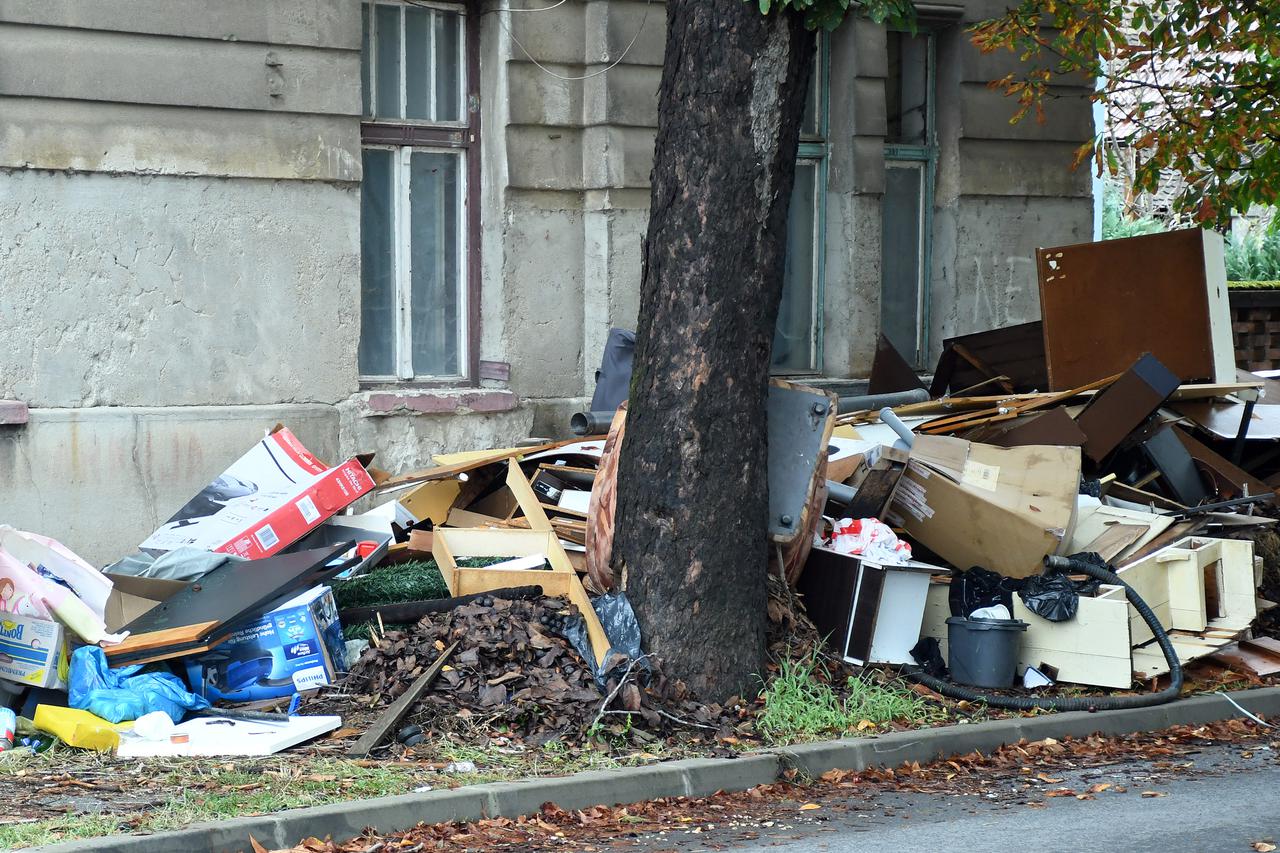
{"x":406,"y":226}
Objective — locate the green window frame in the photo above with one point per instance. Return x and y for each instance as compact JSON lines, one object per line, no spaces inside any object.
{"x":797,"y":342}
{"x":915,"y":162}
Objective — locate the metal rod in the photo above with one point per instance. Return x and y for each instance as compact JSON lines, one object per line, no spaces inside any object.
{"x":1214,"y":507}
{"x":1237,"y":452}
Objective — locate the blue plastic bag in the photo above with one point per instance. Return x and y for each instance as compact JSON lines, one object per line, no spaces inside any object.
{"x":118,"y":695}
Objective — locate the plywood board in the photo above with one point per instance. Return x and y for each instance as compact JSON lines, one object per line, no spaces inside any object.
{"x":1092,"y":522}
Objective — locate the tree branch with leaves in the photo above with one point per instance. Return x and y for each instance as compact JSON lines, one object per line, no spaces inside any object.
{"x":1191,"y":87}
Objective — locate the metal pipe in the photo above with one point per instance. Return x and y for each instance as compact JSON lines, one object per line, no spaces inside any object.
{"x":840,"y":493}
{"x":895,"y":423}
{"x":870,"y":402}
{"x":591,"y":423}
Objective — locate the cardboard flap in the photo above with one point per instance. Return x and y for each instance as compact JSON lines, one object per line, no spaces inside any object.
{"x":133,"y":596}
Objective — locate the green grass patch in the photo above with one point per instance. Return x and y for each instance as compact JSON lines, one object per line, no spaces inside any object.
{"x":800,"y":704}
{"x":209,"y":792}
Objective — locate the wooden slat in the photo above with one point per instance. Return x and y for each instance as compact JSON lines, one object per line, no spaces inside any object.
{"x":395,"y":713}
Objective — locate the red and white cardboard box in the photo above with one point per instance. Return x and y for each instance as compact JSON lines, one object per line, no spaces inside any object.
{"x":267,"y":500}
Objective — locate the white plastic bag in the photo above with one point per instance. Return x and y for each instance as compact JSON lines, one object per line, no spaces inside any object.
{"x":870,"y":538}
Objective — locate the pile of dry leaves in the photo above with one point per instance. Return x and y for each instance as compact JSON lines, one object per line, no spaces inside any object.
{"x":514,"y":675}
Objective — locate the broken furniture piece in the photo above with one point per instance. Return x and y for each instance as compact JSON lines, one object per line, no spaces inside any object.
{"x":1002,"y":508}
{"x":1203,"y":591}
{"x":870,"y":612}
{"x":1105,"y":304}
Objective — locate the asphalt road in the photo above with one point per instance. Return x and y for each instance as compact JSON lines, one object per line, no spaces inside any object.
{"x":1225,"y":799}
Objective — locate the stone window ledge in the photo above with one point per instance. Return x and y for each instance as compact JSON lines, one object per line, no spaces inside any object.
{"x":439,"y":402}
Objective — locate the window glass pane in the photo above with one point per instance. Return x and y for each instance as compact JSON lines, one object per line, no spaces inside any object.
{"x":448,"y":66}
{"x":811,"y":126}
{"x":366,"y":62}
{"x":794,"y":336}
{"x":907,"y":88}
{"x":377,"y":265}
{"x":435,"y":201}
{"x":900,"y":258}
{"x":387,"y":59}
{"x":418,"y":48}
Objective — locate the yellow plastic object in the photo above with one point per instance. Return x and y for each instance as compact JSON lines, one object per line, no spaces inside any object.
{"x":78,"y":728}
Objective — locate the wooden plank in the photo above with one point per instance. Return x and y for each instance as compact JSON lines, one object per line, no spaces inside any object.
{"x":160,"y":639}
{"x":1114,"y":540}
{"x":396,"y":711}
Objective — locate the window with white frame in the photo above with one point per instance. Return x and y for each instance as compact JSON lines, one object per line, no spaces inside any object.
{"x":418,"y":225}
{"x":797,"y":338}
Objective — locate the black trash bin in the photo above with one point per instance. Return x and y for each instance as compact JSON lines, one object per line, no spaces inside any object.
{"x":983,"y":652}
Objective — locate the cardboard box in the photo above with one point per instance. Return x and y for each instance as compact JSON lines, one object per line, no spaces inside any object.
{"x":31,"y":650}
{"x":34,"y":651}
{"x":268,"y":499}
{"x":1002,"y":508}
{"x":297,"y":645}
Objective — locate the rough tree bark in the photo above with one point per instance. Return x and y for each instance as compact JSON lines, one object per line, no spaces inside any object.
{"x":690,"y":545}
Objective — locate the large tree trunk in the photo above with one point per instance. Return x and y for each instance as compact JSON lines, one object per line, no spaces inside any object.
{"x":690,"y":548}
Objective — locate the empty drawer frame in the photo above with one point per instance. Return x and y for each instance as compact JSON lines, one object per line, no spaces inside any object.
{"x":870,"y":612}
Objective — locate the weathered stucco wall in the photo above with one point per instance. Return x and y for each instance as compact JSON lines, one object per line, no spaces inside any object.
{"x":179,"y":233}
{"x":179,"y":249}
{"x":163,"y":291}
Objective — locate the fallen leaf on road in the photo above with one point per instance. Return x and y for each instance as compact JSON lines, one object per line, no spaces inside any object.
{"x":258,"y":848}
{"x":1150,"y":794}
{"x":1045,"y":777}
{"x":1263,"y":846}
{"x":808,"y":807}
{"x":1060,"y":792}
{"x":1099,"y":788}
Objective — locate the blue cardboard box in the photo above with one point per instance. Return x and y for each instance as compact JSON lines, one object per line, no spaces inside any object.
{"x":297,"y":645}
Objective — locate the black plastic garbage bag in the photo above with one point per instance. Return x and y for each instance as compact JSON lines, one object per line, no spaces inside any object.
{"x":1054,"y":595}
{"x":620,"y":626}
{"x":928,"y":653}
{"x":978,"y":588}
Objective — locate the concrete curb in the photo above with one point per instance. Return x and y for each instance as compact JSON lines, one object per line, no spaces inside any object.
{"x":690,"y":778}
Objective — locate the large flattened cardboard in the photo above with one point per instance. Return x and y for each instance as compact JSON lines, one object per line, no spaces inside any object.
{"x":1002,"y":508}
{"x":268,"y":499}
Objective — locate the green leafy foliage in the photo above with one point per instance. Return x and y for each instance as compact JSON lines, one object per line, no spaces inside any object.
{"x":1190,"y":85}
{"x":828,"y":14}
{"x":1253,"y":256}
{"x":1117,"y":224}
{"x":416,"y":580}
